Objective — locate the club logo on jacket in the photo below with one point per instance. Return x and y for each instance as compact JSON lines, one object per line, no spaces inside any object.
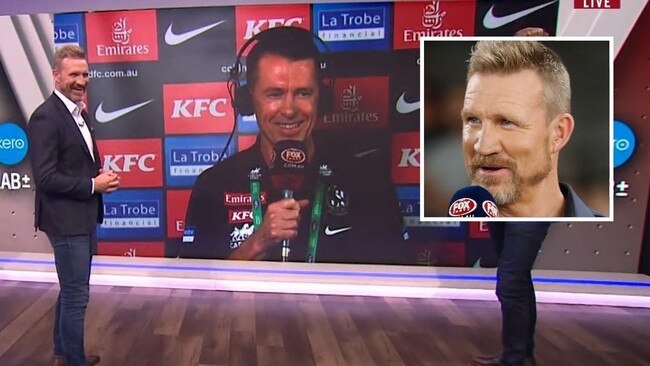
{"x":239,"y":234}
{"x":338,"y":201}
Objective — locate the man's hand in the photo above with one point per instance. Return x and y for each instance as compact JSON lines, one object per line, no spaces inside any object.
{"x":107,"y":181}
{"x":280,"y":222}
{"x":531,"y":32}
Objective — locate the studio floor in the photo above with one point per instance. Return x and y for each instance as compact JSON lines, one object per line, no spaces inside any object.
{"x":175,"y":327}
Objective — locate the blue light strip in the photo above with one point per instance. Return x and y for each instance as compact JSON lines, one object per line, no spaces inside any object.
{"x":570,"y":281}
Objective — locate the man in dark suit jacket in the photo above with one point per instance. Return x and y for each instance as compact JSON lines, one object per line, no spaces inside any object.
{"x":69,"y":187}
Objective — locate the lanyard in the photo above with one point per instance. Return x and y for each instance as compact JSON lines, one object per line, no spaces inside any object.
{"x":316,"y":213}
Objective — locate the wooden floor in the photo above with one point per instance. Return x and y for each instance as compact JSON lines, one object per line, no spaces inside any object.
{"x":143,"y":326}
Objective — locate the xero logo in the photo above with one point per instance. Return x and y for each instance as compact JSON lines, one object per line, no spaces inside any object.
{"x":624,"y":143}
{"x":13,"y":144}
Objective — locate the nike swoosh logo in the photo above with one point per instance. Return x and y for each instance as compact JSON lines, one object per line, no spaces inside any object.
{"x":330,"y":232}
{"x":102,"y":116}
{"x":174,"y":39}
{"x":490,"y":21}
{"x":405,"y":107}
{"x":364,"y":153}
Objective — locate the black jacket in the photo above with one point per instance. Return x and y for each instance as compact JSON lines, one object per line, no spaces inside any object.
{"x":62,"y":168}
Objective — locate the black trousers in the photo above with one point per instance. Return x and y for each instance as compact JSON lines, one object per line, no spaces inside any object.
{"x":517,"y":245}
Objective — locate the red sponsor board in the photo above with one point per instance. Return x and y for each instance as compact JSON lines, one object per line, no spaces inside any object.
{"x":131,"y":249}
{"x":138,"y":162}
{"x":431,"y":19}
{"x":441,"y":254}
{"x":122,"y":36}
{"x":197,"y":108}
{"x":177,"y":202}
{"x":596,"y":4}
{"x":405,"y":166}
{"x":245,"y":141}
{"x":253,"y":19}
{"x":479,"y":230}
{"x":358,"y":103}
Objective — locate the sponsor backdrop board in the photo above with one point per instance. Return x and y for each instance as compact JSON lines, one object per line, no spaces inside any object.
{"x":163,"y":113}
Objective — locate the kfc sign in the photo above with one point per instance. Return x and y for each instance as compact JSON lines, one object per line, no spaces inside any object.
{"x":406,"y":158}
{"x":434,"y":18}
{"x":197,"y":108}
{"x":254,"y":19}
{"x":122,"y":36}
{"x":138,"y":162}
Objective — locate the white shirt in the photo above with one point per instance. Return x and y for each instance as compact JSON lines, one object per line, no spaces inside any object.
{"x":75,"y":110}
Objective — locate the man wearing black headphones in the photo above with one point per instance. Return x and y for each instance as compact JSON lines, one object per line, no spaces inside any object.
{"x":346,"y":210}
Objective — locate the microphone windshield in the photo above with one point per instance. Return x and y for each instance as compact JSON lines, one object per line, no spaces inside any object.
{"x":287,"y":170}
{"x":473,"y":201}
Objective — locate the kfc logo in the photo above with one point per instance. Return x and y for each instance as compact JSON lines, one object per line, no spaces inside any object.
{"x":123,"y":162}
{"x":197,"y":108}
{"x":437,"y":18}
{"x":252,"y":20}
{"x":406,"y":158}
{"x":462,"y":207}
{"x":122,"y":36}
{"x":138,"y":162}
{"x":240,"y":216}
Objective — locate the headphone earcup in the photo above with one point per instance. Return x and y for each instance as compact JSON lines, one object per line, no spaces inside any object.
{"x":325,"y":100}
{"x":243,"y":101}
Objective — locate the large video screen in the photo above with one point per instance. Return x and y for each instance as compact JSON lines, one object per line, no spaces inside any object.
{"x":162,"y":114}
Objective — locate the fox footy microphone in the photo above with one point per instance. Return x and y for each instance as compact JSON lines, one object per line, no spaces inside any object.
{"x":473,"y":201}
{"x":287,"y":173}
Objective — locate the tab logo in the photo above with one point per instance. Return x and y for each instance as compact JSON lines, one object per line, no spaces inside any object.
{"x":138,"y":162}
{"x":253,"y":19}
{"x":436,"y":18}
{"x":197,"y":108}
{"x":122,"y":36}
{"x":406,"y":158}
{"x":360,"y":104}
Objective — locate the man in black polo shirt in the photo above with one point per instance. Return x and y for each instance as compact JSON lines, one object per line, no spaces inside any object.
{"x":346,"y":210}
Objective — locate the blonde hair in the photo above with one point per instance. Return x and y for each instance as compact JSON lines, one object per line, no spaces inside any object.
{"x":68,"y":51}
{"x":508,"y":57}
